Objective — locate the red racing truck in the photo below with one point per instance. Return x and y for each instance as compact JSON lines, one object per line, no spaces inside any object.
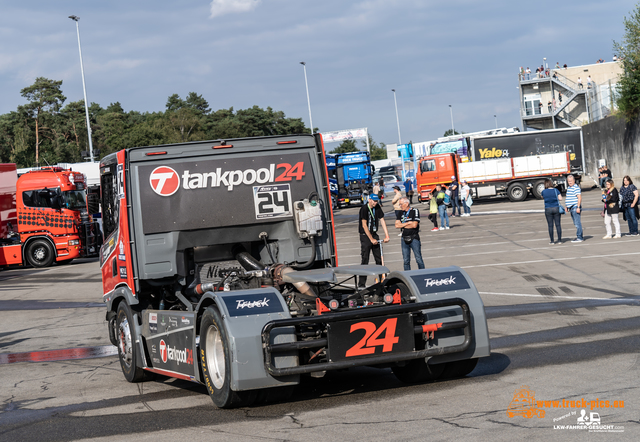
{"x":44,"y":217}
{"x":219,"y":267}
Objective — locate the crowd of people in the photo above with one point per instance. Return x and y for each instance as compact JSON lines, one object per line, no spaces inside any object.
{"x":458,"y":197}
{"x":614,"y":202}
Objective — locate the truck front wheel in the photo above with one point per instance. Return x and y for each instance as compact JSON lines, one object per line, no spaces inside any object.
{"x":538,"y":187}
{"x":128,"y":351}
{"x":215,"y":357}
{"x":517,"y":192}
{"x":39,"y":253}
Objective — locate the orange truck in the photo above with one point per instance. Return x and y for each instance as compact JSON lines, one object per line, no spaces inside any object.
{"x":511,"y":177}
{"x":44,"y":217}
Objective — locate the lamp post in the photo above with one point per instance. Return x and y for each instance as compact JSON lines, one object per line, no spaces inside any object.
{"x":84,"y":88}
{"x":397,"y":118}
{"x":304,"y":66}
{"x":496,"y":118}
{"x":544,"y":63}
{"x":453,"y":130}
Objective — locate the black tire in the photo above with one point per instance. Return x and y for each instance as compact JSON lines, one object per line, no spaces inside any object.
{"x":459,"y":369}
{"x":64,"y":262}
{"x":215,"y":357}
{"x":417,"y":370}
{"x":128,"y":351}
{"x":40,"y":253}
{"x":517,"y":192}
{"x":537,"y":189}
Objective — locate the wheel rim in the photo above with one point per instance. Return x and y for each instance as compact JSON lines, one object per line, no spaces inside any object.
{"x":516,"y":192}
{"x":215,"y":356}
{"x":540,"y":188}
{"x":124,"y":342}
{"x":39,"y":254}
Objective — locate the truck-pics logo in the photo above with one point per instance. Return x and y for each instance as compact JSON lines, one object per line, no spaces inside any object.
{"x":173,"y":354}
{"x":164,"y":181}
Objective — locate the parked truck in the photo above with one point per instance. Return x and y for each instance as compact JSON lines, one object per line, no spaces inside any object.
{"x":513,"y":177}
{"x":220,"y":267}
{"x":353,"y":174}
{"x":44,"y":217}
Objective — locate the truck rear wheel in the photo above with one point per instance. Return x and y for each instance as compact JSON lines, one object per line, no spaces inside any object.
{"x":517,"y":192}
{"x":215,"y":357}
{"x":39,"y":253}
{"x":538,"y":187}
{"x":128,"y":351}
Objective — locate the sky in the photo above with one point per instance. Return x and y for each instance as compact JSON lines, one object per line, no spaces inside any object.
{"x":241,"y":53}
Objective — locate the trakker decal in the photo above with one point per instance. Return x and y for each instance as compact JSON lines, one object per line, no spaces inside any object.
{"x":191,"y":195}
{"x":440,"y":282}
{"x":252,"y":304}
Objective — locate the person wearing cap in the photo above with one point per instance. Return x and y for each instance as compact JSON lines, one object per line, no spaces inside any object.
{"x":454,"y":188}
{"x":465,"y":198}
{"x":370,"y":215}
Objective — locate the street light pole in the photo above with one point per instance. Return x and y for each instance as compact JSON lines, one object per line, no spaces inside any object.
{"x":496,"y":118}
{"x":453,"y":130}
{"x":397,"y":118}
{"x":304,"y":66}
{"x":84,"y":88}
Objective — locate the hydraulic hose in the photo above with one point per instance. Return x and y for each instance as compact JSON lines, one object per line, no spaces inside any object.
{"x":246,"y":260}
{"x":311,"y":259}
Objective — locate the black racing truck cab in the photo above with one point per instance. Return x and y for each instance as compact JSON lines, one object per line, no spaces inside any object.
{"x":219,"y":267}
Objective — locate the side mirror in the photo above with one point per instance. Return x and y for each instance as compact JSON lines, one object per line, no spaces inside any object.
{"x":56,"y":202}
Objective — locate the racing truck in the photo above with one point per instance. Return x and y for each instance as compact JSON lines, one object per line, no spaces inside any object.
{"x":44,"y":217}
{"x":351,"y":172}
{"x":219,"y":267}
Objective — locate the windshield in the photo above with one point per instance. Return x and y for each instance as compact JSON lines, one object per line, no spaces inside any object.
{"x":74,"y":199}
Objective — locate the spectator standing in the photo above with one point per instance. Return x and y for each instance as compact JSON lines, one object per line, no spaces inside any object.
{"x":573,"y":202}
{"x":615,"y":57}
{"x":442,"y":208}
{"x":565,"y":66}
{"x":528,"y":73}
{"x":540,"y":108}
{"x":465,"y":198}
{"x":396,"y":202}
{"x":454,"y":187}
{"x":410,"y":225}
{"x":370,"y":217}
{"x":408,"y":190}
{"x":549,"y":106}
{"x":433,"y":213}
{"x":552,"y":199}
{"x":611,"y":199}
{"x":557,"y":65}
{"x":589,"y":82}
{"x":560,"y":97}
{"x":629,"y":197}
{"x":381,"y":192}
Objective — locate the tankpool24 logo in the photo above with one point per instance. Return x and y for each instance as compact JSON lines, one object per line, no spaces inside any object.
{"x":165,"y":181}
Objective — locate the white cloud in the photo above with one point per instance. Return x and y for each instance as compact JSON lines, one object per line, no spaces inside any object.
{"x":221,"y":7}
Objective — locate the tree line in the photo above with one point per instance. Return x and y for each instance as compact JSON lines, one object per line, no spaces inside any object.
{"x":45,"y":130}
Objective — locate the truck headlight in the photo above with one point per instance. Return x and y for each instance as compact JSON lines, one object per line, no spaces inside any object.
{"x":74,"y":242}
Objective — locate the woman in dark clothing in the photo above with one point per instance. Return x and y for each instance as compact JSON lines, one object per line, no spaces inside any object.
{"x":629,"y":197}
{"x":611,"y":200}
{"x":552,"y":199}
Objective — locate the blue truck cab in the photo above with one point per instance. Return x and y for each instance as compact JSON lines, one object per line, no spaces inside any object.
{"x":350,"y":177}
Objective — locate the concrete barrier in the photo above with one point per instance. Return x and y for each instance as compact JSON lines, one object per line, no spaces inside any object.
{"x":618,"y":143}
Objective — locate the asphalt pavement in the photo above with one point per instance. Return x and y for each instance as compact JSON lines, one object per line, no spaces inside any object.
{"x":563,"y":320}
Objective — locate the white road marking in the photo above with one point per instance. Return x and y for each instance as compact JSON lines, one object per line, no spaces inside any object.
{"x":551,"y":259}
{"x":563,"y":297}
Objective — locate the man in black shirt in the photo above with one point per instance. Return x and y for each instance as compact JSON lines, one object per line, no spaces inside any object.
{"x":370,"y":215}
{"x":410,"y":225}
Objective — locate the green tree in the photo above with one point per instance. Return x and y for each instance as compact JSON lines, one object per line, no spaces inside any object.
{"x":346,"y":146}
{"x":450,"y":132}
{"x":377,"y":152}
{"x":44,"y":97}
{"x":628,"y":88}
